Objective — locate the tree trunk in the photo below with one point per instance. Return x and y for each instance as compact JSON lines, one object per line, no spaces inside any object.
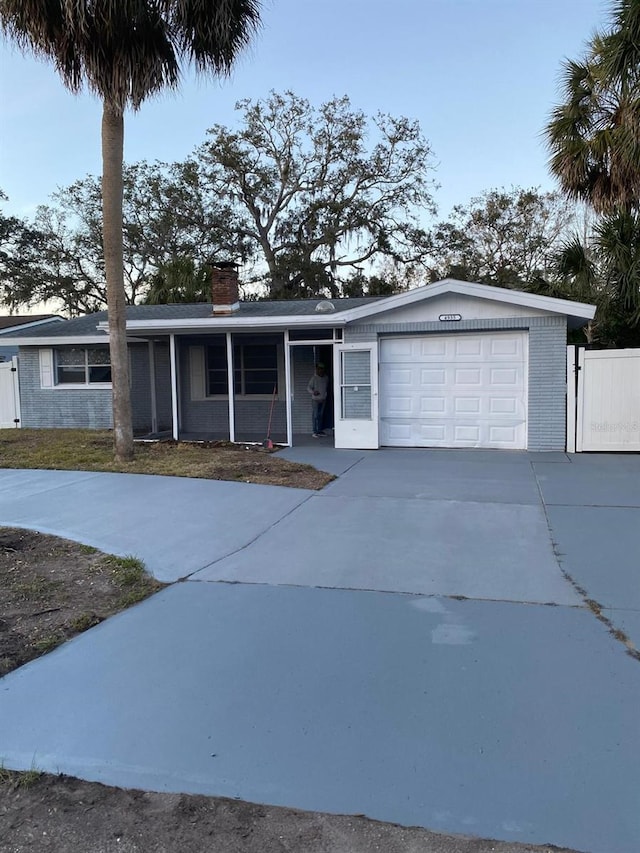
{"x":112,"y":155}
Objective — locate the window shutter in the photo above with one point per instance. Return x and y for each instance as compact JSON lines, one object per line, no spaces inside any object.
{"x":46,"y":368}
{"x":197,"y":373}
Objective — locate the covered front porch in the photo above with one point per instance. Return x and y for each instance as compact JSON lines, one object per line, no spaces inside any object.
{"x":238,"y":386}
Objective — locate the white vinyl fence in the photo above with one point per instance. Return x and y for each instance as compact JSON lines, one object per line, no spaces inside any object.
{"x":9,"y":394}
{"x":603,"y":400}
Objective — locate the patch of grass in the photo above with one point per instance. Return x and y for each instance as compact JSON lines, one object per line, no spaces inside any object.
{"x":130,"y":575}
{"x":127,"y":571}
{"x":84,"y":622}
{"x":92,"y":450}
{"x":87,"y":549}
{"x":28,"y":778}
{"x":47,"y":643}
{"x":20,"y":778}
{"x":36,"y":589}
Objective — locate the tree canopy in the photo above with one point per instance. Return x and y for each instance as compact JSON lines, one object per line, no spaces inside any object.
{"x":167,"y":219}
{"x":313,"y":195}
{"x":125,"y":51}
{"x":502,"y":237}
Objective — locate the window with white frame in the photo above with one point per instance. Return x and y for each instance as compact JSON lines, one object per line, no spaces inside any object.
{"x":82,"y":366}
{"x":255,"y":369}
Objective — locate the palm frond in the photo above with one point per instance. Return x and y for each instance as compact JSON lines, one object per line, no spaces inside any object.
{"x":593,"y":136}
{"x":126,"y":51}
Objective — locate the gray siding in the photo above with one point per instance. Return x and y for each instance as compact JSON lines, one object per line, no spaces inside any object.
{"x":59,"y":407}
{"x":547,"y":366}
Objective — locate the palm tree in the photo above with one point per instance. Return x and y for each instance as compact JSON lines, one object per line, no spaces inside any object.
{"x":179,"y":281}
{"x":594,"y":142}
{"x":617,"y":242}
{"x":125,"y":51}
{"x":594,"y":135}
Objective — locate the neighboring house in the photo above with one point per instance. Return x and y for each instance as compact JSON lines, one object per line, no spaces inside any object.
{"x":451,"y":364}
{"x":9,"y":324}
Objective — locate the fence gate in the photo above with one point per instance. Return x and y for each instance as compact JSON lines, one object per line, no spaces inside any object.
{"x":9,"y":394}
{"x":603,"y":400}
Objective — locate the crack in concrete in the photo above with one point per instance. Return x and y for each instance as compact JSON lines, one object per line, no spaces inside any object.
{"x":260,"y":534}
{"x":249,"y":543}
{"x":594,"y":606}
{"x":407,"y":593}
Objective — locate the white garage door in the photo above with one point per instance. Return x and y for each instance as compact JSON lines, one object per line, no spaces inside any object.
{"x":454,"y":391}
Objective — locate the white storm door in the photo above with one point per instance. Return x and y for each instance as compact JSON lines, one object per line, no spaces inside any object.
{"x":355,"y":371}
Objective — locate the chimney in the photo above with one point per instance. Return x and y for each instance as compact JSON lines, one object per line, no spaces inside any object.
{"x":224,"y":288}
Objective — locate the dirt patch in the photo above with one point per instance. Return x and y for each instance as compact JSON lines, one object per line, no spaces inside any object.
{"x":52,"y":589}
{"x":58,"y":814}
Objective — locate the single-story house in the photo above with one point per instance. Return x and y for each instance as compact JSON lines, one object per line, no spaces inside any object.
{"x":451,"y":364}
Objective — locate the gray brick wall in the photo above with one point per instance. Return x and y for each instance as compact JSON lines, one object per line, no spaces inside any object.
{"x":57,"y":407}
{"x":547,"y":386}
{"x":88,"y":408}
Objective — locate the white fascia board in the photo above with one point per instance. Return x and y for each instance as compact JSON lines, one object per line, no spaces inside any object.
{"x":579,"y":310}
{"x":228,"y":324}
{"x":60,"y":340}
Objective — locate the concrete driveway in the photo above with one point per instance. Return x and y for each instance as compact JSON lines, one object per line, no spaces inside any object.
{"x":449,"y":675}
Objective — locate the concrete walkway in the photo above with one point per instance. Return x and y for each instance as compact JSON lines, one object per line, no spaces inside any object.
{"x":495,"y":715}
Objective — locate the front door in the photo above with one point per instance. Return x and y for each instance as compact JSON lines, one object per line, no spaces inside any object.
{"x":355,"y":372}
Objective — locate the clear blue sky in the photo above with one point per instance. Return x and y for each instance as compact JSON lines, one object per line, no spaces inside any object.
{"x":480,"y":75}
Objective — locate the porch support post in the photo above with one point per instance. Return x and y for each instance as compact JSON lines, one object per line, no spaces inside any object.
{"x":152,"y":379}
{"x":174,"y":385}
{"x":232,"y":408}
{"x":287,"y":388}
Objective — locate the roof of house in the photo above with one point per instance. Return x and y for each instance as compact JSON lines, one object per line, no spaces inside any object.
{"x":91,"y":324}
{"x":283,"y":314}
{"x":12,"y":321}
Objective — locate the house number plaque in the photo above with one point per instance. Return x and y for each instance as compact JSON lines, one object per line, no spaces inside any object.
{"x":450,"y":317}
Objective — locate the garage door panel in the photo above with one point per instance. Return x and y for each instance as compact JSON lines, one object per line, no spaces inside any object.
{"x":505,"y":376}
{"x":466,"y":433}
{"x":454,"y":391}
{"x":398,"y":378}
{"x":467,"y":376}
{"x":432,"y":405}
{"x":431,"y":432}
{"x":471,"y":348}
{"x":427,"y":348}
{"x":505,"y":435}
{"x":467,"y":405}
{"x":503,"y":406}
{"x":399,"y":407}
{"x":429,"y":377}
{"x":509,"y":347}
